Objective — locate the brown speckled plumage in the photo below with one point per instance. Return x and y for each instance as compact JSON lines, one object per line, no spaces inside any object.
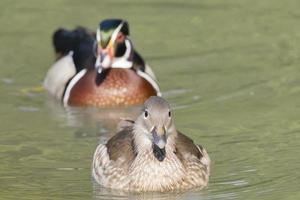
{"x":128,"y":162}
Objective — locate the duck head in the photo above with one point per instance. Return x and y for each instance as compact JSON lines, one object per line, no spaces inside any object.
{"x":154,"y":128}
{"x":112,"y":41}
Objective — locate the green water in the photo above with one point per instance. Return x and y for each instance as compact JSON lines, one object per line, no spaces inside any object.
{"x":230,"y":69}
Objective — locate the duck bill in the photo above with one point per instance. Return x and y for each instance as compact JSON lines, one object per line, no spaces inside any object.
{"x":159,"y":137}
{"x":159,"y":143}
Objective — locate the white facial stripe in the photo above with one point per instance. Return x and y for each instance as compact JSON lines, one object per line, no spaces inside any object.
{"x":98,"y":35}
{"x":113,"y":36}
{"x":115,"y":33}
{"x":128,"y":48}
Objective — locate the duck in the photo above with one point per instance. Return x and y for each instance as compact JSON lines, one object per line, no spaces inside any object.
{"x":151,"y":155}
{"x":107,"y":72}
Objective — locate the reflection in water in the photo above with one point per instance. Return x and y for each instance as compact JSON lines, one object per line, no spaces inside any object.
{"x":90,"y":121}
{"x":101,"y":193}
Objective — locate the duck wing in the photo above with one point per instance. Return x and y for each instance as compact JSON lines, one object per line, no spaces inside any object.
{"x":112,"y":160}
{"x":195,"y":159}
{"x":124,"y":123}
{"x":121,"y":145}
{"x":186,"y":146}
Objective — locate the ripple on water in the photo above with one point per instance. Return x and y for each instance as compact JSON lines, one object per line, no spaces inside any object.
{"x":175,"y":92}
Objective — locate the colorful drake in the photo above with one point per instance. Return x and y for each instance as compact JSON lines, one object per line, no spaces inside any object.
{"x":151,"y":155}
{"x":117,"y":77}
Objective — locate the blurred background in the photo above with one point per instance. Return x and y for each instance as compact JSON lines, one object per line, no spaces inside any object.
{"x":230,"y":70}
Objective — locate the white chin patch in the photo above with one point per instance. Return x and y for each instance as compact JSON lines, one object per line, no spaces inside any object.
{"x":106,"y":62}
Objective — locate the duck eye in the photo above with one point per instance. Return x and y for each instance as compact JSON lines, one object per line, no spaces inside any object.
{"x":146,"y":114}
{"x":169,"y":113}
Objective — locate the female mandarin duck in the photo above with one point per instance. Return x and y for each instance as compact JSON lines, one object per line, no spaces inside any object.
{"x":117,"y":77}
{"x":151,"y":155}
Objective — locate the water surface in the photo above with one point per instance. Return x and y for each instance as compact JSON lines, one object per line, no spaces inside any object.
{"x":230,"y":70}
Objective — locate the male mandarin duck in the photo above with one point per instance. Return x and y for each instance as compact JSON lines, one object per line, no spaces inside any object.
{"x":149,"y":154}
{"x":113,"y":75}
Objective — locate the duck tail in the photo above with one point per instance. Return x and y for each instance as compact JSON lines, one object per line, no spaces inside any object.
{"x":63,"y":41}
{"x":80,"y":41}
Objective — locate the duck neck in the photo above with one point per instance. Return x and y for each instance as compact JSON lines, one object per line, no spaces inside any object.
{"x":143,"y":141}
{"x":124,"y":55}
